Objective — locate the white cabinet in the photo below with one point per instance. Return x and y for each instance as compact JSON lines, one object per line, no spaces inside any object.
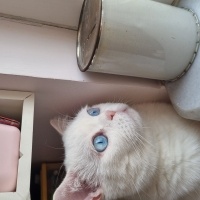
{"x":20,"y":106}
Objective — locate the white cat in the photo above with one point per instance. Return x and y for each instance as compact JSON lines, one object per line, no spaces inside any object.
{"x":115,"y":152}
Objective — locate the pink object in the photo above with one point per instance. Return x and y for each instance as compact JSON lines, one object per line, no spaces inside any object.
{"x":8,"y":121}
{"x":9,"y":157}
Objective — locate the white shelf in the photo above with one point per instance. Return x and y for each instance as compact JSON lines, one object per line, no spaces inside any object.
{"x":64,"y":13}
{"x":20,"y":106}
{"x":45,"y":52}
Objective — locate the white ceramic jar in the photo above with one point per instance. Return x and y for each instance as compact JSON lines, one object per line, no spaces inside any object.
{"x":139,"y":38}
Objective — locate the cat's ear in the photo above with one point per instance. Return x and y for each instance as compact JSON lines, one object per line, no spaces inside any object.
{"x":60,"y":123}
{"x":64,"y":191}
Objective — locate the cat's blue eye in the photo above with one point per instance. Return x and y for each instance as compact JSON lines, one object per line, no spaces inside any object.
{"x":93,"y":111}
{"x":100,"y":143}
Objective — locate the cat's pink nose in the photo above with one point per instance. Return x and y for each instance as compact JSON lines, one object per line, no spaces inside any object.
{"x":110,"y":114}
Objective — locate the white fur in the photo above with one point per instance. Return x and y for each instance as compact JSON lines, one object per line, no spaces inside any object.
{"x":153,"y":155}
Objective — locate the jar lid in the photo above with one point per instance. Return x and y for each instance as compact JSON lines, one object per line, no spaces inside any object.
{"x":88,"y":32}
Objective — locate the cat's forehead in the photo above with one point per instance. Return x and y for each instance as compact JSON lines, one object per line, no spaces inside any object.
{"x":104,"y":107}
{"x":85,"y":121}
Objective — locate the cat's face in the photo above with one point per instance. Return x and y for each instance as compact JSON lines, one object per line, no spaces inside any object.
{"x":98,"y":143}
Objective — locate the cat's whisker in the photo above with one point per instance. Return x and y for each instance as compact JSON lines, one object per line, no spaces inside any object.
{"x":128,"y":139}
{"x":147,"y":127}
{"x":128,"y":102}
{"x":144,"y":139}
{"x":119,"y":100}
{"x":49,"y":146}
{"x":140,"y":140}
{"x":135,"y":149}
{"x":136,"y":190}
{"x":56,"y":182}
{"x":57,"y":112}
{"x":140,"y":188}
{"x":122,"y":100}
{"x":70,"y":117}
{"x":198,"y":193}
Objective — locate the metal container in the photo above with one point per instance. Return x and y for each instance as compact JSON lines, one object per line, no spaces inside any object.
{"x":140,"y":38}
